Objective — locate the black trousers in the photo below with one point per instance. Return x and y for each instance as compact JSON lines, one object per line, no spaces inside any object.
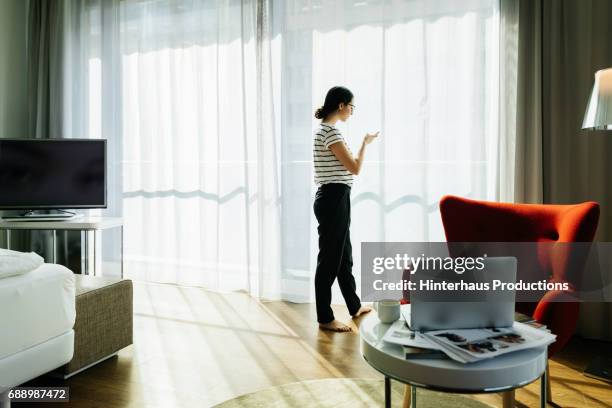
{"x":332,"y":207}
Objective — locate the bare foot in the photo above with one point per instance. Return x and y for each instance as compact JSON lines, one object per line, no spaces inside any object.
{"x":335,"y":325}
{"x":362,"y":310}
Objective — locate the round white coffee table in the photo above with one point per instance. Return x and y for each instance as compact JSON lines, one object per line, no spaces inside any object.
{"x":503,"y":373}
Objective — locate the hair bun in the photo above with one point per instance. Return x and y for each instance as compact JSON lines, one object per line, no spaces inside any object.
{"x":319,"y":113}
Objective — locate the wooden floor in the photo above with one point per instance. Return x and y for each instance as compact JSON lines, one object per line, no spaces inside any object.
{"x":194,"y":348}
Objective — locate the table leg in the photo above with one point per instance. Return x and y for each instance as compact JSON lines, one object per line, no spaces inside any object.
{"x":95,"y":249}
{"x":413,"y":399}
{"x":543,"y":389}
{"x":387,"y":392}
{"x":65,"y":254}
{"x":121,"y":258}
{"x":54,"y":246}
{"x":85,"y":252}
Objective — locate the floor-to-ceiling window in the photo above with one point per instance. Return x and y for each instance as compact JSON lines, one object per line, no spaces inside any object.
{"x":424,"y":73}
{"x":217,"y":102}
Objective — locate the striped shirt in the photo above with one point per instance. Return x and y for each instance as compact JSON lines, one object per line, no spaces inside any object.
{"x":327,"y":168}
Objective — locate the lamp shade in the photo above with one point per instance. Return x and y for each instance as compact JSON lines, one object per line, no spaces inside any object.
{"x":598,"y":114}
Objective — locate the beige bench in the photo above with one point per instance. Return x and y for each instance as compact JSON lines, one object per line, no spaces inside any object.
{"x":104,"y":321}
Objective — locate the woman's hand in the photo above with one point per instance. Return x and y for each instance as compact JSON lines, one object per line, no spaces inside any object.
{"x":344,"y":156}
{"x":369,"y":138}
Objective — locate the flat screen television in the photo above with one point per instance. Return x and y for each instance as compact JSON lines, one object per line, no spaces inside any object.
{"x":52,"y":173}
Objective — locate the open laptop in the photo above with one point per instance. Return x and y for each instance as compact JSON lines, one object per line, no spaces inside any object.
{"x":466,"y":310}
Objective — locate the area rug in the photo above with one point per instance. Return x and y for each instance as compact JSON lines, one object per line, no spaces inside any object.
{"x":344,"y":392}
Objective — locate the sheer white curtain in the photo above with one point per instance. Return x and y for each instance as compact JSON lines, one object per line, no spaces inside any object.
{"x":424,"y":73}
{"x":200,"y":168}
{"x":216,"y":103}
{"x":182,"y":89}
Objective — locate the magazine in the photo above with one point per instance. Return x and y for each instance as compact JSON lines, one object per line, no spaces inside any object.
{"x":470,"y":345}
{"x":529,"y":320}
{"x":399,"y":333}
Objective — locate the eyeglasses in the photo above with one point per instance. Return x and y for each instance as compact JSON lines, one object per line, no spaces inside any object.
{"x":352,"y":106}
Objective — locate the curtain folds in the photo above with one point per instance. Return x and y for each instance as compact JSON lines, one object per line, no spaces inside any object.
{"x":561,"y":45}
{"x":45,"y":50}
{"x":44,"y":95}
{"x":508,"y":165}
{"x":576,"y":162}
{"x":201,"y":176}
{"x":60,"y":81}
{"x":521,"y":123}
{"x":529,"y":179}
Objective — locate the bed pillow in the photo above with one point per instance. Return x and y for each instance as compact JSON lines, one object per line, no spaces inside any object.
{"x":16,"y":263}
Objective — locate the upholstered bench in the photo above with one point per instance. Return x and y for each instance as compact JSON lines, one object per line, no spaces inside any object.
{"x":103,"y":323}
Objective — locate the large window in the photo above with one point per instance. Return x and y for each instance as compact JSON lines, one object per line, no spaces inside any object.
{"x":424,"y":73}
{"x":217,"y":102}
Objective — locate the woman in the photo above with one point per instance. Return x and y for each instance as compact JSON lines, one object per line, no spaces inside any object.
{"x":334,"y":167}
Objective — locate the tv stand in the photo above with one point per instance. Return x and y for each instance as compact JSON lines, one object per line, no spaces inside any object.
{"x":32,"y":215}
{"x":90,"y":226}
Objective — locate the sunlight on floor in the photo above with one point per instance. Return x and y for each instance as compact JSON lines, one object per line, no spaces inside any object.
{"x":191,"y":344}
{"x":193,"y":347}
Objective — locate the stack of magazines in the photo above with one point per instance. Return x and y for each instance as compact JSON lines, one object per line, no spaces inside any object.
{"x":468,"y":345}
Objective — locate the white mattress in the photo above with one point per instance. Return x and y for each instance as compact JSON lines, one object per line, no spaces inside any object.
{"x":35,"y":307}
{"x":37,"y":360}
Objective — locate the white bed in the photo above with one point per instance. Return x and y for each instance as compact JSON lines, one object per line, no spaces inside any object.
{"x":37,"y":313}
{"x":35,"y":307}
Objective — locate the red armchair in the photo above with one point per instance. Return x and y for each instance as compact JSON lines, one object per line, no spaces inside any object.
{"x":467,"y":220}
